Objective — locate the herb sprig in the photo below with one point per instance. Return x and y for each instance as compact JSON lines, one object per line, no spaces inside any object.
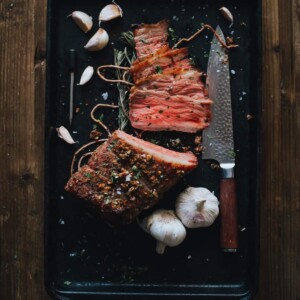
{"x":123,"y":58}
{"x":128,"y":38}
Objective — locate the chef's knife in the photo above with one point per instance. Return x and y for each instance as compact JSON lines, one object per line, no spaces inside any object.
{"x":218,"y":140}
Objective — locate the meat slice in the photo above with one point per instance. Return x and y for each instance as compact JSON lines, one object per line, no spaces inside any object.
{"x":126,"y":175}
{"x":168,"y":93}
{"x":158,"y":110}
{"x":176,"y":81}
{"x":149,"y":38}
{"x":156,"y":63}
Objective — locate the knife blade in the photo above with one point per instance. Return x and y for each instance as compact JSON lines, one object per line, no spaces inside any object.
{"x":218,"y":143}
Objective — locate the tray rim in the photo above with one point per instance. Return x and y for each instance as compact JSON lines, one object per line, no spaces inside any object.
{"x":249,"y":291}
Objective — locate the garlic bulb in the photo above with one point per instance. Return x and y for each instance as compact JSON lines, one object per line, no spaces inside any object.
{"x":84,"y":21}
{"x":86,"y":75}
{"x":197,"y":207}
{"x":110,"y":12}
{"x":98,"y":41}
{"x":166,"y":228}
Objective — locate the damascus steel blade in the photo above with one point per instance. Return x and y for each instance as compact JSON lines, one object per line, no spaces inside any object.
{"x":218,"y":137}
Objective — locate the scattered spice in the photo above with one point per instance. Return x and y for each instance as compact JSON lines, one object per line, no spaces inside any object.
{"x":175,"y":142}
{"x":229,"y":40}
{"x":95,"y":134}
{"x":158,"y":69}
{"x":173,"y":36}
{"x":198,"y":147}
{"x":186,"y":149}
{"x":214,"y":166}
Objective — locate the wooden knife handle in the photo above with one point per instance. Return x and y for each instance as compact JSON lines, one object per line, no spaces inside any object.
{"x":228,"y":215}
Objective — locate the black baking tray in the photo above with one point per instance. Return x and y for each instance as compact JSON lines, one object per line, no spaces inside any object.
{"x":85,"y":258}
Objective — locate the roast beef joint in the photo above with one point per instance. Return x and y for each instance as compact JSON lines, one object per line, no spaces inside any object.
{"x":126,"y":175}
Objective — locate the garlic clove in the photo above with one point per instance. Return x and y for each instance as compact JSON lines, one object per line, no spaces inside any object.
{"x":110,"y":12}
{"x":197,"y":207}
{"x":86,"y":75}
{"x":166,"y":228}
{"x":227,"y":14}
{"x":160,"y":247}
{"x":64,"y":134}
{"x":83,"y":21}
{"x":98,"y":41}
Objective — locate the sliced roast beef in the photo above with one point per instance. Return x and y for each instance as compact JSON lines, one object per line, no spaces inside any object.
{"x":149,"y":38}
{"x":175,"y":82}
{"x":156,"y":63}
{"x":157,"y":110}
{"x":126,"y":175}
{"x":168,"y":93}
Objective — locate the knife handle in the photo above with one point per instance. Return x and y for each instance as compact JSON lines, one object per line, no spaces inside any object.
{"x":228,"y":215}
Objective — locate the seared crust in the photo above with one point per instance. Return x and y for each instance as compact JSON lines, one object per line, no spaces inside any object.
{"x":165,"y":60}
{"x":126,"y":175}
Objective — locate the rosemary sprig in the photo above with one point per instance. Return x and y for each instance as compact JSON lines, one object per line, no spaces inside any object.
{"x":128,"y":38}
{"x":123,"y":58}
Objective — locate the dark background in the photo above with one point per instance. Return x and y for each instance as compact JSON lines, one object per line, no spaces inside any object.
{"x":86,"y":255}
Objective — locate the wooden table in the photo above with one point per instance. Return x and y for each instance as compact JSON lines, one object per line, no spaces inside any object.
{"x":22,"y":96}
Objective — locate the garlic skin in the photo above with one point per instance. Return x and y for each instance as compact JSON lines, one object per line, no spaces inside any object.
{"x":86,"y":75}
{"x":64,"y":134}
{"x":110,"y":12}
{"x":98,"y":41}
{"x":83,"y":21}
{"x":197,"y":207}
{"x":166,"y":228}
{"x":227,"y":14}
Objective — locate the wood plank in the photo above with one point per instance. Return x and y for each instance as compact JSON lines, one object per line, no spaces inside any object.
{"x":280,"y":214}
{"x":22,"y":83}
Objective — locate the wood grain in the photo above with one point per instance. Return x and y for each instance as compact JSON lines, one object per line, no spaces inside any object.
{"x":228,"y":215}
{"x":22,"y":87}
{"x":280,"y":203}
